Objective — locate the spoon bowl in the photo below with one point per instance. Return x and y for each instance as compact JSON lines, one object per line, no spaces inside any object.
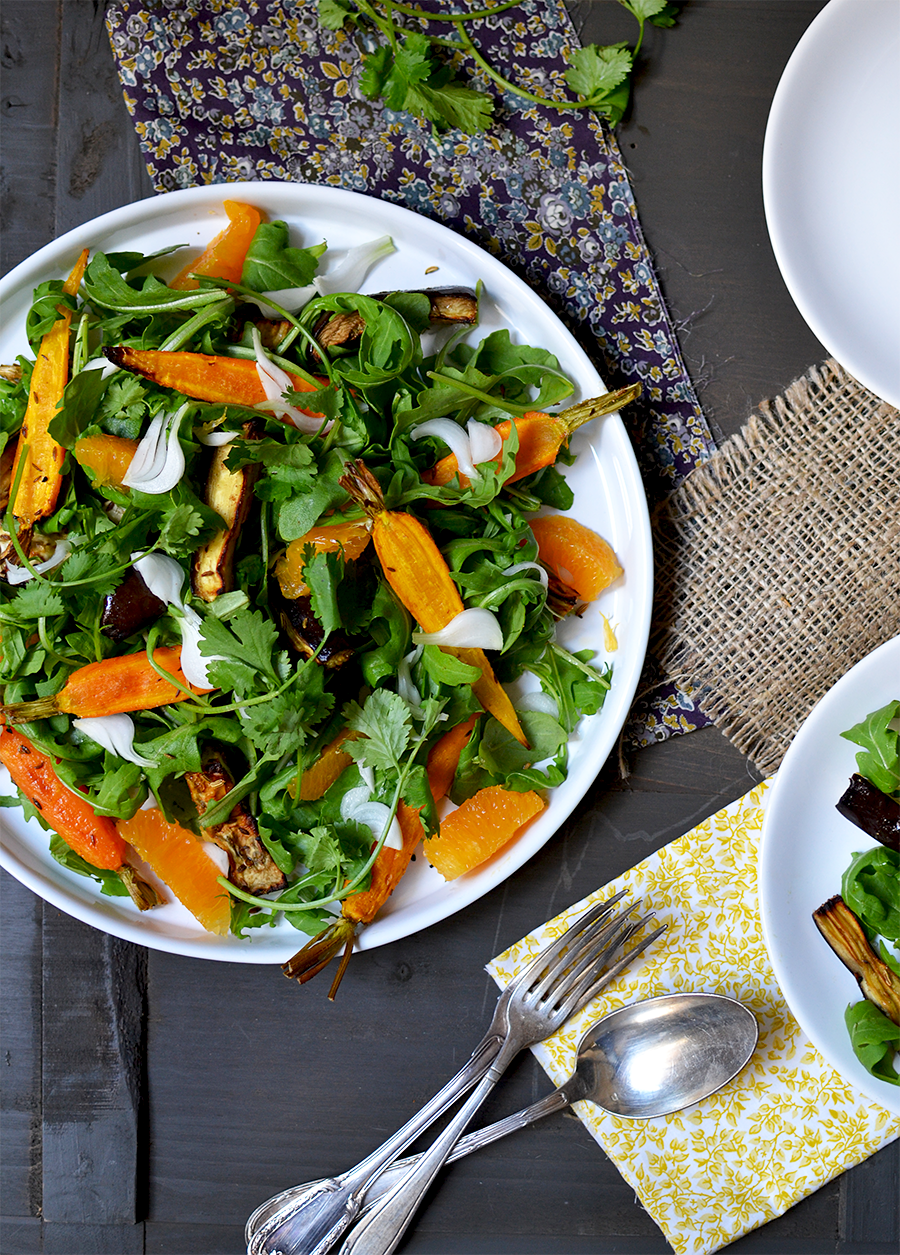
{"x":656,"y":1057}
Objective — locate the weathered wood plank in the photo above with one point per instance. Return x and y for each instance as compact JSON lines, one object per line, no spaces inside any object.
{"x":30,"y":46}
{"x":99,"y":162}
{"x":20,"y":1033}
{"x":93,"y":990}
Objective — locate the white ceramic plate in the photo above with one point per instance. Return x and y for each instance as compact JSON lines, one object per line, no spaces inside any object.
{"x":609,"y":497}
{"x":806,"y":846}
{"x":831,"y":185}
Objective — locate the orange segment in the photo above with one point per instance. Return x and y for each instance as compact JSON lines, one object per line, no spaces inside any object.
{"x":181,"y":862}
{"x":327,"y":768}
{"x":475,"y":831}
{"x":109,"y":457}
{"x":224,"y":256}
{"x":576,"y":555}
{"x":347,"y":538}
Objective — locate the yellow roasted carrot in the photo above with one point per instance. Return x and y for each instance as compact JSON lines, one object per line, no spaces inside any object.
{"x":416,"y":571}
{"x":42,"y":458}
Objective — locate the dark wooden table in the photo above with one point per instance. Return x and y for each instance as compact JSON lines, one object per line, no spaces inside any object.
{"x":150,"y":1102}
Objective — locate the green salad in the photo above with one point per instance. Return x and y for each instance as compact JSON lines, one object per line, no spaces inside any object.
{"x":183,"y":540}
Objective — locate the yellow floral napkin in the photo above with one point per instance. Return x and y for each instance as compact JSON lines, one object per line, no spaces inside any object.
{"x":788,"y":1123}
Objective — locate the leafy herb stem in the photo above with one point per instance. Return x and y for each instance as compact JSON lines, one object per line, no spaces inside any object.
{"x":498,"y":78}
{"x":477,"y":15}
{"x":516,"y":410}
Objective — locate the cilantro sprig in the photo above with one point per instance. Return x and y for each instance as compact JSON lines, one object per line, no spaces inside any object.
{"x":407,"y":71}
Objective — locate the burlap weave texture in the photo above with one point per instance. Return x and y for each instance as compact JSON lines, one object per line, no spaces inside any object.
{"x":779,"y":560}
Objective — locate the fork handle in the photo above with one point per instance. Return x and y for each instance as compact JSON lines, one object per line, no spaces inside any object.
{"x":381,"y":1229}
{"x":315,"y":1220}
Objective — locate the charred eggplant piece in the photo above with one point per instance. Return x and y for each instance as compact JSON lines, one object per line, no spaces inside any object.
{"x":446,"y":305}
{"x":230,"y":494}
{"x":131,"y":607}
{"x":844,"y":933}
{"x":250,"y":864}
{"x":877,"y":814}
{"x":306,"y":634}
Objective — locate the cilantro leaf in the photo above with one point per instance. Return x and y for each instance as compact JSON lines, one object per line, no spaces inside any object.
{"x":384,"y":722}
{"x":333,"y":13}
{"x":596,"y":70}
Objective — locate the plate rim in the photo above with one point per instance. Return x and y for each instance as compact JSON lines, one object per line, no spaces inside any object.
{"x":812,"y":45}
{"x":845,"y":1065}
{"x":99,"y":913}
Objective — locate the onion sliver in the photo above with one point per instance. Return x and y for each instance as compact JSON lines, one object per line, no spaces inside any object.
{"x":375,"y":815}
{"x":275,"y":383}
{"x":21,"y":574}
{"x":470,"y":629}
{"x":485,"y":441}
{"x":162,"y":575}
{"x":194,"y":665}
{"x":528,"y":566}
{"x":454,"y":437}
{"x":158,"y":464}
{"x":116,"y":734}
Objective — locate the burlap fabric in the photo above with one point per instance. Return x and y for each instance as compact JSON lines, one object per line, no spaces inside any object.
{"x":779,"y":560}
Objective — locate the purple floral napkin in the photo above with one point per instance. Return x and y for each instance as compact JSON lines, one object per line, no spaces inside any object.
{"x":226,"y":90}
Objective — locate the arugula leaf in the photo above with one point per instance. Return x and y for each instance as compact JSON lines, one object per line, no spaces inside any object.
{"x":48,"y":298}
{"x":105,"y":287}
{"x":77,"y":408}
{"x":871,"y":889}
{"x":322,"y":573}
{"x":271,"y":263}
{"x":880,"y":761}
{"x":110,"y":883}
{"x":874,"y":1038}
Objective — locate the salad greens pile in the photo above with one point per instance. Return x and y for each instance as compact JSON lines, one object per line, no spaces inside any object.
{"x":272,"y":709}
{"x":870,"y":887}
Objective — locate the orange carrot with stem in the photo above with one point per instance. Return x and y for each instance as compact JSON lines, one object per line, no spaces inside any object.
{"x":114,"y":686}
{"x":93,"y":837}
{"x":541,"y":436}
{"x":360,"y":908}
{"x":41,"y":472}
{"x":416,"y":571}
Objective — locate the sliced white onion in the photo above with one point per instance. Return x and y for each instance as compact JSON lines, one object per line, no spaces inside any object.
{"x":149,"y":804}
{"x":353,"y":267}
{"x":539,"y":701}
{"x":215,"y":439}
{"x":290,"y":299}
{"x":528,"y":566}
{"x":116,"y":734}
{"x":485,"y":441}
{"x":217,"y":854}
{"x":367,"y":775}
{"x":353,"y":799}
{"x":470,"y":629}
{"x":158,"y":464}
{"x":405,"y":686}
{"x":276,"y":382}
{"x":162,"y":575}
{"x":102,"y":364}
{"x":21,"y":575}
{"x":454,"y":437}
{"x":194,"y":665}
{"x":375,"y":815}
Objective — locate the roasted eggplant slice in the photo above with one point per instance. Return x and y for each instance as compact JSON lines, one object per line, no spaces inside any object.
{"x":844,"y":933}
{"x":131,"y":607}
{"x":230,"y":494}
{"x":250,"y":864}
{"x":446,"y":305}
{"x":877,"y":814}
{"x":306,"y":634}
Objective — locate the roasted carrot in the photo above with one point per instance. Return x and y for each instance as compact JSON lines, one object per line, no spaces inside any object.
{"x":541,"y":436}
{"x":223,"y":258}
{"x":416,"y":571}
{"x":41,"y":473}
{"x":230,"y":380}
{"x":114,"y":686}
{"x":359,"y":908}
{"x":93,"y":837}
{"x":444,"y":755}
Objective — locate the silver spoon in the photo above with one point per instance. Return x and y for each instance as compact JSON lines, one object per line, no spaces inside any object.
{"x":648,"y":1059}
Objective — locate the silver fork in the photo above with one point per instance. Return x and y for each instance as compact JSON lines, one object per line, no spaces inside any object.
{"x":560,"y":980}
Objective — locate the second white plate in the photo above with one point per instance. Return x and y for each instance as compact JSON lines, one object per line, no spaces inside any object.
{"x":831,"y":185}
{"x":806,"y":847}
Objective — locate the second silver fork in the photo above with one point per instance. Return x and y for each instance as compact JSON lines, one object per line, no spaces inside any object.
{"x":559,"y":981}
